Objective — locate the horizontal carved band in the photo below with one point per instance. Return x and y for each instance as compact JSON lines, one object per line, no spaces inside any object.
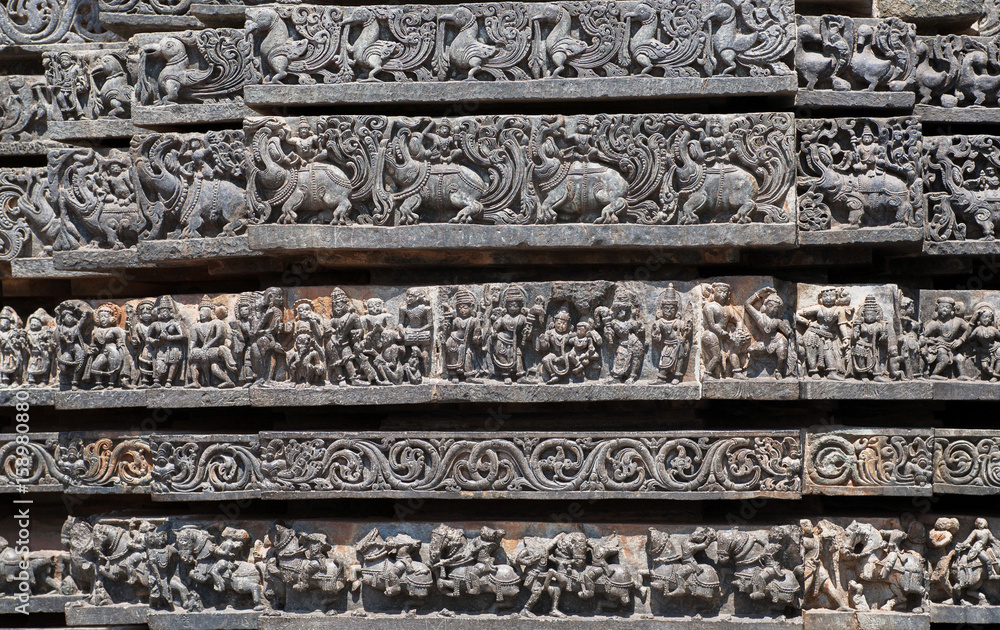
{"x":677,"y":465}
{"x":732,"y":337}
{"x":476,"y":570}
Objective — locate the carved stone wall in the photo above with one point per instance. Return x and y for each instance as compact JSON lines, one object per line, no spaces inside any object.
{"x":568,"y":315}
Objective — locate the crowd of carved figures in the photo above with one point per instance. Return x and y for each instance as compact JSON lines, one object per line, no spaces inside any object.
{"x":862,"y":565}
{"x":589,"y":332}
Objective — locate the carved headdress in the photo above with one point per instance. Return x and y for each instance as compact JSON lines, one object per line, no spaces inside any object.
{"x":338,"y":295}
{"x":167,"y":302}
{"x":464,"y":296}
{"x":112,"y":308}
{"x":9,"y":313}
{"x":41,"y":316}
{"x":206,"y":302}
{"x":871,"y":307}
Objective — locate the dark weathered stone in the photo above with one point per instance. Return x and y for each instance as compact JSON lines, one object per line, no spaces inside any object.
{"x":860,"y":462}
{"x":689,"y":50}
{"x":952,"y":14}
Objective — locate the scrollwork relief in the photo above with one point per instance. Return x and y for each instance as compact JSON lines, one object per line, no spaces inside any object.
{"x":860,"y":172}
{"x":515,"y":41}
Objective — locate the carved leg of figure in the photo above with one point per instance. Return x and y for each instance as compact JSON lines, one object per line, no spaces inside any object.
{"x":171,"y":89}
{"x":475,"y":65}
{"x":559,"y":59}
{"x":342,"y":212}
{"x":470,"y":208}
{"x":555,"y":592}
{"x":745,"y":212}
{"x":610,"y":213}
{"x":375,"y":63}
{"x":288,"y":209}
{"x":279,"y":63}
{"x":222,"y":377}
{"x":547,"y":211}
{"x":407,"y":213}
{"x":646,"y":63}
{"x":711,"y":347}
{"x":689,"y":212}
{"x":855,"y":212}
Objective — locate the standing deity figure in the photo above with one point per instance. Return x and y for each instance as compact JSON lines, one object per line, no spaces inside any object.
{"x":242,"y":335}
{"x":559,"y":361}
{"x":672,"y":334}
{"x":137,"y":329}
{"x":110,"y":364}
{"x":345,"y":328}
{"x":416,"y":325}
{"x":168,"y":344}
{"x":41,"y":345}
{"x":870,"y":346}
{"x":463,"y":332}
{"x":625,"y":334}
{"x":942,"y":340}
{"x":908,"y":362}
{"x":13,"y":348}
{"x":209,"y":353}
{"x":508,"y":334}
{"x":73,"y":319}
{"x":985,"y":341}
{"x":267,"y":354}
{"x":725,"y":340}
{"x":765,"y":309}
{"x":827,"y":335}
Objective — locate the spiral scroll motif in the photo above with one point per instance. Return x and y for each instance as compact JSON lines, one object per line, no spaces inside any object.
{"x":529,"y":464}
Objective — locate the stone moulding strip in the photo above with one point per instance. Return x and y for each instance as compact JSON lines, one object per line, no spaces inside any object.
{"x":673,"y":465}
{"x":966,"y":462}
{"x":517,"y":51}
{"x":597,"y":89}
{"x":533,"y":465}
{"x":280,"y":238}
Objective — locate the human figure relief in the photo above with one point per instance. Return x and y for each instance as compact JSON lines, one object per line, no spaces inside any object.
{"x":771,"y":351}
{"x":942,"y":340}
{"x":672,"y":334}
{"x":341,"y":341}
{"x":73,"y":319}
{"x":725,"y":340}
{"x":508,"y":335}
{"x":137,"y":330}
{"x":984,"y":339}
{"x":416,"y":324}
{"x":827,"y":334}
{"x":267,"y":354}
{"x":13,"y":348}
{"x":210,"y":355}
{"x":463,"y":330}
{"x":870,"y":342}
{"x":41,"y":345}
{"x":168,"y":343}
{"x":625,"y":335}
{"x":110,"y":364}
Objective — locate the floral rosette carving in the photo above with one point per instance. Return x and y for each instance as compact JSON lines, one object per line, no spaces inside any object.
{"x":38,"y":468}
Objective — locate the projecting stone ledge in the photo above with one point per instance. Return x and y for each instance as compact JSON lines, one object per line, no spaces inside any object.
{"x":854,"y":99}
{"x":100,"y":128}
{"x":891,"y":237}
{"x":597,"y":89}
{"x":971,"y":114}
{"x":443,"y":392}
{"x":198,"y":16}
{"x":513,"y":622}
{"x":438,"y":236}
{"x":962,"y":248}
